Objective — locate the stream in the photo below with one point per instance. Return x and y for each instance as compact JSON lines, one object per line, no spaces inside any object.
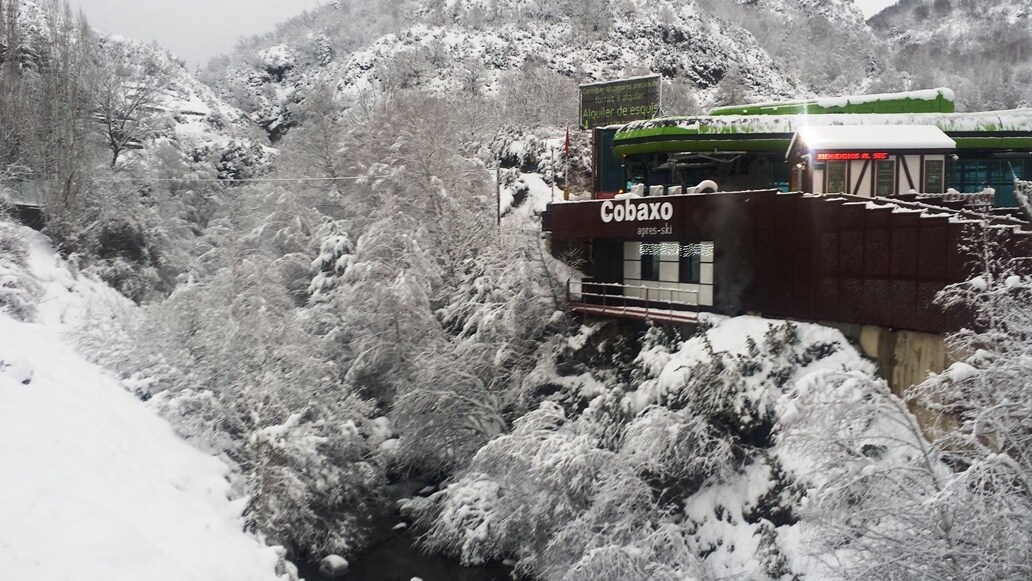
{"x":394,"y":556}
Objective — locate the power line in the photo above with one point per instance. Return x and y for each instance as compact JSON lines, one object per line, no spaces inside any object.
{"x":224,"y":180}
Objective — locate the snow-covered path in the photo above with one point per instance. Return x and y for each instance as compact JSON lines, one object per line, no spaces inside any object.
{"x":93,"y":484}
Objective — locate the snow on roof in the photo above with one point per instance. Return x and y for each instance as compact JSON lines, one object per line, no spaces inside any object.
{"x":833,"y":137}
{"x":923,"y":94}
{"x":987,"y":121}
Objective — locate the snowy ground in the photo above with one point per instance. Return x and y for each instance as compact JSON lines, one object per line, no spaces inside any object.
{"x":95,"y":486}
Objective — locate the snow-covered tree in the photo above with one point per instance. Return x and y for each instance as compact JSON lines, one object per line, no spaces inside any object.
{"x":984,"y":405}
{"x":19,"y":292}
{"x":127,"y":99}
{"x":629,"y":480}
{"x":894,"y":504}
{"x":56,"y":136}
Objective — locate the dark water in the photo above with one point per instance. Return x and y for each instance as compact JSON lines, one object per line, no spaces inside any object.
{"x":398,"y":560}
{"x":394,"y":556}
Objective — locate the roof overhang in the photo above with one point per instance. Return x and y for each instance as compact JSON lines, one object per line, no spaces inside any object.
{"x":923,"y":138}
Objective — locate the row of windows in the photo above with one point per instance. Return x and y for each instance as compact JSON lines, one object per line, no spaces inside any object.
{"x":884,"y":174}
{"x":974,"y":175}
{"x":965,"y":175}
{"x":689,"y":263}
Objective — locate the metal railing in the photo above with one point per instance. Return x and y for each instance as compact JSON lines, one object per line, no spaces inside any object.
{"x":634,"y":301}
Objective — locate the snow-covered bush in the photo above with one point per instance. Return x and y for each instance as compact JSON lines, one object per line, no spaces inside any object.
{"x":269,"y":387}
{"x":556,"y":471}
{"x":892,"y":503}
{"x":983,"y":406}
{"x":230,"y":360}
{"x":19,"y":292}
{"x":445,"y":414}
{"x":312,"y":486}
{"x":335,"y":257}
{"x":879,"y":485}
{"x":674,"y":470}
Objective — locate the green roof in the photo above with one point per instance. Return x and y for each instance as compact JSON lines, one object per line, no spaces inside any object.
{"x":1010,"y":129}
{"x":927,"y":101}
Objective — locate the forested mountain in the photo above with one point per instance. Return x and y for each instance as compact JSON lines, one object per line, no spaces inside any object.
{"x":824,"y":44}
{"x":329,"y":302}
{"x":709,"y":52}
{"x":529,"y":55}
{"x":980,"y":49}
{"x":117,"y":140}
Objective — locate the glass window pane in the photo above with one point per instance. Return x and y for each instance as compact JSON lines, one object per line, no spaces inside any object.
{"x":933,"y":176}
{"x":650,"y":261}
{"x":884,"y":178}
{"x":836,"y":177}
{"x":690,"y":262}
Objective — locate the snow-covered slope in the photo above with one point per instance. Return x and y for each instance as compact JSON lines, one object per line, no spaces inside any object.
{"x":470,"y":46}
{"x":167,"y":116}
{"x":95,"y":485}
{"x":979,"y":48}
{"x":211,"y":137}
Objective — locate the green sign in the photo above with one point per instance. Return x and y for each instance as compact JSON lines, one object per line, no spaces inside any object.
{"x":619,"y":102}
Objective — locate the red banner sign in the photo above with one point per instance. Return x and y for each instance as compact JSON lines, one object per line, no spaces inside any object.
{"x":852,"y":155}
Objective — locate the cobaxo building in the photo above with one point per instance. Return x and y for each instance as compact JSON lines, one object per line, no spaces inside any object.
{"x":865,"y":242}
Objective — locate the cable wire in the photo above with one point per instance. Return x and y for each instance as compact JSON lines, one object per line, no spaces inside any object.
{"x":224,"y":180}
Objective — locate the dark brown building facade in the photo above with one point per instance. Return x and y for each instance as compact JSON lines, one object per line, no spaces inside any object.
{"x":810,"y":257}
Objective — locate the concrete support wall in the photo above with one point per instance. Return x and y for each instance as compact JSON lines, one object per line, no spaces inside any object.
{"x":917,"y":355}
{"x":905,"y":357}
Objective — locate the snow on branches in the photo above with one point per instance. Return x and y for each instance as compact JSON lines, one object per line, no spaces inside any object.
{"x":951,"y":499}
{"x":676,"y":470}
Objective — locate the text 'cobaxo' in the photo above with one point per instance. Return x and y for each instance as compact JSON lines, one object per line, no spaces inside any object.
{"x":625,"y":212}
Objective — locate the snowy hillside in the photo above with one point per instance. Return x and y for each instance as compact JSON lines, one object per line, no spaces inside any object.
{"x":472,"y":48}
{"x":979,"y":49}
{"x":150,"y":98}
{"x":96,"y":486}
{"x":841,"y":12}
{"x":211,"y":137}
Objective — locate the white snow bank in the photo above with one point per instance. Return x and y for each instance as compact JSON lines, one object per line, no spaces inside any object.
{"x":95,"y":485}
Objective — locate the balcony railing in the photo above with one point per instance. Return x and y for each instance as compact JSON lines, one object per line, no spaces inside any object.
{"x":661,"y":304}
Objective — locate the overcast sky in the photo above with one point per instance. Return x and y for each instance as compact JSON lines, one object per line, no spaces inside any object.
{"x":872,"y":7}
{"x":195,"y":30}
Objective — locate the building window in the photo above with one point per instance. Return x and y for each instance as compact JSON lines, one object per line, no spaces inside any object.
{"x":690,"y":263}
{"x":933,"y":176}
{"x":885,"y":178}
{"x":649,"y":262}
{"x":836,"y":171}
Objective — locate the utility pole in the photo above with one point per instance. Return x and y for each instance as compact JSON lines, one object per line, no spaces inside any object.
{"x":554,"y":172}
{"x":566,"y":179}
